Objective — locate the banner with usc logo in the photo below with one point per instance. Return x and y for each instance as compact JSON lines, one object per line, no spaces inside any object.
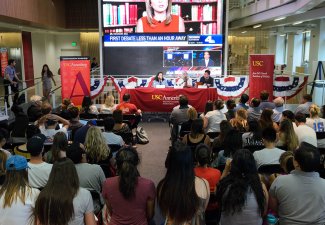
{"x":261,"y":70}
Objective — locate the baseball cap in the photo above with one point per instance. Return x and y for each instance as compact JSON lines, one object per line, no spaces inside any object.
{"x":16,"y":162}
{"x":35,"y":144}
{"x":92,"y":122}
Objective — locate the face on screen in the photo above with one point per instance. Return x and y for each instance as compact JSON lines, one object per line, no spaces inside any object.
{"x":159,"y":5}
{"x":206,"y":55}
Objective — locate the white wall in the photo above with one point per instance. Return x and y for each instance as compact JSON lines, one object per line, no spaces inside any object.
{"x":297,"y":51}
{"x":279,"y":53}
{"x":321,"y":54}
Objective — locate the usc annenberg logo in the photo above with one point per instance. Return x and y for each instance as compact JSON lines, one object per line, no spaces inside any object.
{"x":258,"y":63}
{"x":157,"y":97}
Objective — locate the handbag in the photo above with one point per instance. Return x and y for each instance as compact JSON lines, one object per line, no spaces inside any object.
{"x":142,"y":136}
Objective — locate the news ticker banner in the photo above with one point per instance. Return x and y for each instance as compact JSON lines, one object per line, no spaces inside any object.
{"x":4,"y":60}
{"x":177,"y":39}
{"x":75,"y":78}
{"x":261,"y":70}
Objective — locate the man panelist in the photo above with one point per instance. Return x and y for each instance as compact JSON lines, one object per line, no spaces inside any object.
{"x":207,"y":62}
{"x":206,"y":79}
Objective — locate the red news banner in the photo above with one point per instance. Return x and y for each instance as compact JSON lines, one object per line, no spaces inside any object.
{"x":261,"y":70}
{"x":75,"y":78}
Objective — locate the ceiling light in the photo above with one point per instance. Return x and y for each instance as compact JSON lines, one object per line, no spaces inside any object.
{"x":306,"y":31}
{"x":282,"y":35}
{"x":299,"y":22}
{"x":243,"y":32}
{"x":280,"y":18}
{"x":257,"y":26}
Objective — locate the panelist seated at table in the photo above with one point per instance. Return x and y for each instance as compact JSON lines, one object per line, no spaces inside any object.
{"x":184,"y":81}
{"x":159,"y":80}
{"x":206,"y":79}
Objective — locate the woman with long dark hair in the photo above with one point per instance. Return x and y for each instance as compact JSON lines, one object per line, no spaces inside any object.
{"x":130,"y":199}
{"x":217,"y":144}
{"x":197,"y":135}
{"x":288,"y":139}
{"x":47,"y":77}
{"x":241,"y":195}
{"x":159,"y":80}
{"x":17,"y":198}
{"x":58,"y":149}
{"x":182,"y":197}
{"x":208,"y":108}
{"x":62,"y":201}
{"x":254,"y":135}
{"x":267,"y":121}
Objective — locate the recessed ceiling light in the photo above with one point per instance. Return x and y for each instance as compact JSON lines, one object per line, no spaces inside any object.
{"x":299,"y":22}
{"x":280,"y":18}
{"x":243,"y":32}
{"x":257,"y":26}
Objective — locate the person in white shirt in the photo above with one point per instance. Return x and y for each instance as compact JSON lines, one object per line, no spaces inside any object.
{"x":270,"y":154}
{"x":48,"y":124}
{"x":184,"y":80}
{"x":213,"y":118}
{"x":304,"y":132}
{"x":316,"y":123}
{"x":38,"y":171}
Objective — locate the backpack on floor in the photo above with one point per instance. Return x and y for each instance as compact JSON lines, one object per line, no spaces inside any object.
{"x":142,"y":136}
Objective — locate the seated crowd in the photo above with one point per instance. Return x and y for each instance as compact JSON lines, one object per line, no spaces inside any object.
{"x":233,"y":164}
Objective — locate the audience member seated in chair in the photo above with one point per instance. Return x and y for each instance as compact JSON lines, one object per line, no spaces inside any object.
{"x":230,"y":114}
{"x":63,"y":194}
{"x":197,"y":135}
{"x":80,"y":134}
{"x":304,"y":132}
{"x":213,"y":118}
{"x":267,"y":121}
{"x":110,"y":137}
{"x":186,"y":126}
{"x":74,"y":121}
{"x":19,"y":126}
{"x":287,"y":138}
{"x":121,"y":128}
{"x":89,"y":110}
{"x":109,"y":105}
{"x":254,"y":112}
{"x":180,"y":187}
{"x":38,"y":171}
{"x":254,"y":135}
{"x":270,"y":154}
{"x":34,"y":111}
{"x":240,"y":121}
{"x":306,"y":102}
{"x":242,"y":197}
{"x":299,"y":197}
{"x":2,"y":143}
{"x":22,"y":149}
{"x":58,"y":148}
{"x":128,"y":108}
{"x":217,"y":144}
{"x":265,"y":103}
{"x":91,"y":176}
{"x":232,"y":142}
{"x":17,"y":198}
{"x":3,"y":160}
{"x":286,"y":163}
{"x":317,"y":123}
{"x":130,"y":198}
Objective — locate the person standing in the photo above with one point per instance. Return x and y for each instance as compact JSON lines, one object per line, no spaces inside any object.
{"x":11,"y":79}
{"x":47,"y":76}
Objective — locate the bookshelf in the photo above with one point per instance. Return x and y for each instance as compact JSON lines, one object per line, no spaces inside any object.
{"x":121,"y":16}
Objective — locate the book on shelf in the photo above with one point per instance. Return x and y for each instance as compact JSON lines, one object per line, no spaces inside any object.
{"x":210,"y":28}
{"x":119,"y":14}
{"x":203,"y":12}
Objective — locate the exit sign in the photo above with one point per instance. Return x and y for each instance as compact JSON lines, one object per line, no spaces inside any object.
{"x":74,"y":44}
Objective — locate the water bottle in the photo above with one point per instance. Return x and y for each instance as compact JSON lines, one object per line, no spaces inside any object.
{"x":271,"y":219}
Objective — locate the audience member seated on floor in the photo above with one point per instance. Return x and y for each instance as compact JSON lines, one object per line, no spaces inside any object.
{"x":109,"y":105}
{"x":196,"y":136}
{"x":254,"y":112}
{"x":203,"y":155}
{"x":277,"y":111}
{"x":270,"y":154}
{"x":299,"y":198}
{"x":208,"y":108}
{"x":3,"y":160}
{"x":110,"y":137}
{"x":74,"y":121}
{"x":266,"y":120}
{"x":242,"y":102}
{"x":180,"y":187}
{"x":96,"y":148}
{"x":287,"y":137}
{"x":306,"y":102}
{"x":286,"y":163}
{"x":130,"y":198}
{"x":230,"y":114}
{"x":232,"y":142}
{"x":58,"y":148}
{"x":242,"y":196}
{"x":38,"y":171}
{"x":265,"y":103}
{"x":63,"y":196}
{"x":254,"y":135}
{"x":217,"y":144}
{"x":186,"y":126}
{"x":89,"y":110}
{"x":19,"y":126}
{"x":304,"y":132}
{"x":213,"y":118}
{"x":287,"y":114}
{"x":91,"y":176}
{"x":80,"y":134}
{"x":317,"y":123}
{"x":48,"y":127}
{"x":34,"y":111}
{"x":240,"y":121}
{"x":2,"y":143}
{"x":129,"y":108}
{"x":17,"y":198}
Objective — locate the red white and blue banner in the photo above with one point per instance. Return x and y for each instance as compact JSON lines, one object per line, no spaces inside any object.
{"x":261,"y":70}
{"x":288,"y":86}
{"x":231,"y":87}
{"x":97,"y":86}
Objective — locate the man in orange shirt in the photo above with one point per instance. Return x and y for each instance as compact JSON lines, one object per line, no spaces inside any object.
{"x":128,"y":108}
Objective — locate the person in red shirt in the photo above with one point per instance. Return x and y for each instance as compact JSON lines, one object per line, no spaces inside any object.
{"x":128,"y":108}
